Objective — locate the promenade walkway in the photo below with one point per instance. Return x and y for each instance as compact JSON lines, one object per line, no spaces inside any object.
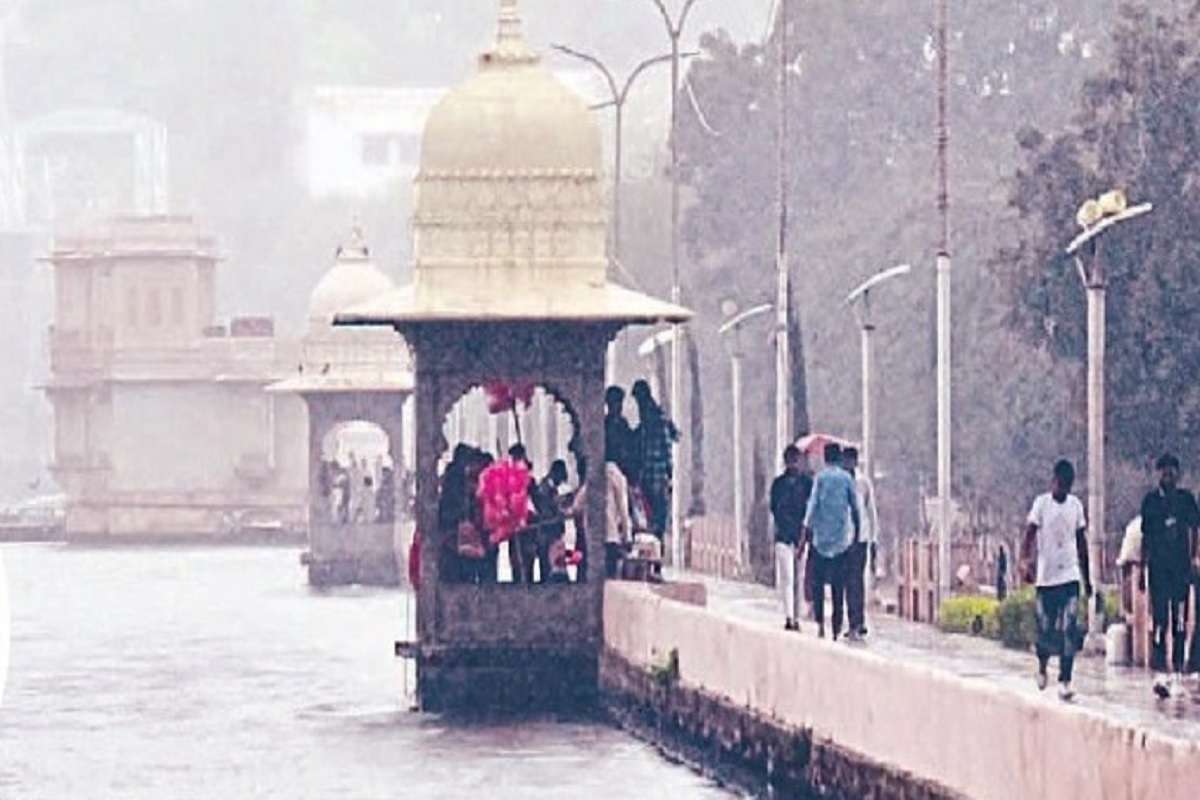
{"x":1118,"y":693}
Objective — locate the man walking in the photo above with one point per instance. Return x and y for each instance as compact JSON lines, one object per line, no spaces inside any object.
{"x":1169,"y":521}
{"x":789,"y":500}
{"x":862,"y":547}
{"x":1057,"y":528}
{"x":830,"y":505}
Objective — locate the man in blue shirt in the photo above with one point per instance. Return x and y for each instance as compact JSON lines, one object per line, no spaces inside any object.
{"x":830,"y":506}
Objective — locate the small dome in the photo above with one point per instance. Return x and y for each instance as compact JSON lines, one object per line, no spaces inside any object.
{"x":351,"y":281}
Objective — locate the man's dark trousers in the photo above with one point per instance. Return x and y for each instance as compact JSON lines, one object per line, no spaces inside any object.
{"x":856,"y":585}
{"x":828,"y":572}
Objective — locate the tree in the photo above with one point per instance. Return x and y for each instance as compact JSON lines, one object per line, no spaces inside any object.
{"x":862,"y":198}
{"x":1136,"y":128}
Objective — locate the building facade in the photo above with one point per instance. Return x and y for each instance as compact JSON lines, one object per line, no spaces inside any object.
{"x":162,"y":426}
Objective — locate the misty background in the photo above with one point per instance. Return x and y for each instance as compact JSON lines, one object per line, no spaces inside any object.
{"x":1046,"y":97}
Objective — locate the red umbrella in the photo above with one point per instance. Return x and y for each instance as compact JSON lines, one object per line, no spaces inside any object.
{"x":814,"y":443}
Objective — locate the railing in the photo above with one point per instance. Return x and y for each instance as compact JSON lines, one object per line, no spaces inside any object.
{"x":711,"y":547}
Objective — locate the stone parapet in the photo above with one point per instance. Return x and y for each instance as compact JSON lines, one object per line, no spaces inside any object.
{"x":971,"y":737}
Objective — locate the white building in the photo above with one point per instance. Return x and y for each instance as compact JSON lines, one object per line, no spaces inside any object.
{"x":361,"y":140}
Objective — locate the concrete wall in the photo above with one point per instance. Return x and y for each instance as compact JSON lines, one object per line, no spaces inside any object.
{"x":967,"y":735}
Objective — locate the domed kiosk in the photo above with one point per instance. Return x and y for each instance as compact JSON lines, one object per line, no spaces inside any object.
{"x":353,"y":380}
{"x":509,"y":286}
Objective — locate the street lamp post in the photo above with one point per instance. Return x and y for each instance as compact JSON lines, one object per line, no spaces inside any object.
{"x":944,"y":429}
{"x":732,"y":328}
{"x":1097,"y":217}
{"x":674,"y":28}
{"x":619,"y":96}
{"x":862,"y":297}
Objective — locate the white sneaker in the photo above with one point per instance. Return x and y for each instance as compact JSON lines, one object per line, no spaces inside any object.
{"x":1042,"y":680}
{"x":1065,"y":692}
{"x":1160,"y":687}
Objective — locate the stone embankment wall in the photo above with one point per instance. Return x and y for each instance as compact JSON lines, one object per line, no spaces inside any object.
{"x":760,"y":706}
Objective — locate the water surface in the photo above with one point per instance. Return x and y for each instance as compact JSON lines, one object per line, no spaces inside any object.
{"x":217,"y":673}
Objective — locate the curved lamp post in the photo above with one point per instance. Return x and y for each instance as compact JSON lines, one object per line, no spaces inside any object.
{"x":1096,"y":217}
{"x":731,"y":329}
{"x":860,"y":298}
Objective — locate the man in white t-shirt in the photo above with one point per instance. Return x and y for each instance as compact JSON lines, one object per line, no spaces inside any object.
{"x":1057,"y":529}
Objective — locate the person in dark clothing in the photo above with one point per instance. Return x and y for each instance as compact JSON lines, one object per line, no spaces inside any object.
{"x":789,"y":500}
{"x":1169,"y":522}
{"x":1002,"y":574}
{"x":550,"y":520}
{"x":656,"y":435}
{"x":619,"y":441}
{"x":452,"y":508}
{"x":385,"y":498}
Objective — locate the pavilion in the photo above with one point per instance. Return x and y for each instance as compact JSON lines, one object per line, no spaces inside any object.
{"x":510,"y":283}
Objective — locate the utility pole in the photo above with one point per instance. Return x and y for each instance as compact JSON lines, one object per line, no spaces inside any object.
{"x":943,"y":308}
{"x":674,"y":28}
{"x":619,"y":95}
{"x":783,"y":394}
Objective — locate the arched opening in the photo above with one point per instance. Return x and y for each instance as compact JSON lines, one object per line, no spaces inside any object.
{"x":536,"y":428}
{"x":359,"y":479}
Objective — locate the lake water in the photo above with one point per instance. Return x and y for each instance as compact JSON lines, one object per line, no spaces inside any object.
{"x":217,"y":673}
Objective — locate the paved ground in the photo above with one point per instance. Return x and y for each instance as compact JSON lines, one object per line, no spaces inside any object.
{"x":1120,"y":693}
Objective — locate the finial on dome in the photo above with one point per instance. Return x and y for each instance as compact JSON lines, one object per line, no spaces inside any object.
{"x":356,"y":249}
{"x":510,"y":37}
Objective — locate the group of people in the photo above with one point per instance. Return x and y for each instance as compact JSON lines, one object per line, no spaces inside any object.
{"x":358,"y":493}
{"x":642,"y":454}
{"x":1054,"y":556}
{"x":552,"y":546}
{"x":829,"y":524}
{"x":540,"y":551}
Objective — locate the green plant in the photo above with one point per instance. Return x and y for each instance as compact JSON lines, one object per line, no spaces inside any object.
{"x":1016,"y":619}
{"x":972,"y":614}
{"x":666,"y":674}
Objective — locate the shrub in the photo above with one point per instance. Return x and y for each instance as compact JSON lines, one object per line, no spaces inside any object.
{"x":972,"y":614}
{"x":1016,"y":619}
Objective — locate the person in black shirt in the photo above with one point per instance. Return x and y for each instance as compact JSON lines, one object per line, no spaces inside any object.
{"x":619,"y":445}
{"x":1169,"y":521}
{"x":789,"y":500}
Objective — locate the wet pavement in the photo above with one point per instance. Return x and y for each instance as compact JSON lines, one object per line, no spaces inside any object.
{"x":1119,"y":693}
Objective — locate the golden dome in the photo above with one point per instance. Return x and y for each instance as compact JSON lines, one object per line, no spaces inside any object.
{"x":513,"y":116}
{"x":511,"y":218}
{"x":510,"y":183}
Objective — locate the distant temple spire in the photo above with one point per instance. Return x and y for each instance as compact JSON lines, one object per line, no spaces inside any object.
{"x":355,"y":249}
{"x":510,"y":36}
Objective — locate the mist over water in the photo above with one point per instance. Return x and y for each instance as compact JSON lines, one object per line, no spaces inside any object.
{"x":203,"y":673}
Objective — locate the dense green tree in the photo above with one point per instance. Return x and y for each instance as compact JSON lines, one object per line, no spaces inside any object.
{"x":1137,"y":127}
